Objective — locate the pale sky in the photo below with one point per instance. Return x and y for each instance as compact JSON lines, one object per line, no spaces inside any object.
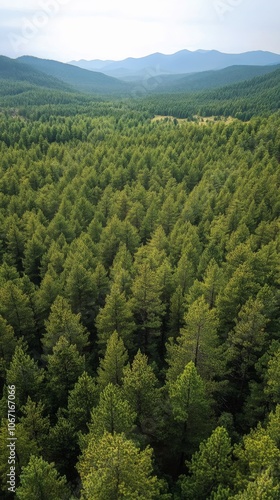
{"x":115,"y":29}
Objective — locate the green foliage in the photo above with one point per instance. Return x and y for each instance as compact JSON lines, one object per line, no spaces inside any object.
{"x":147,"y":306}
{"x":273,"y":378}
{"x":7,"y":345}
{"x":115,"y":316}
{"x":209,"y":467}
{"x":63,"y":323}
{"x":111,"y":367}
{"x":81,"y":400}
{"x":139,"y":285}
{"x":113,"y":413}
{"x":39,"y":480}
{"x":197,"y":342}
{"x":64,"y":367}
{"x":188,"y":395}
{"x":140,"y":388}
{"x":113,"y":467}
{"x":25,"y":375}
{"x":258,"y":453}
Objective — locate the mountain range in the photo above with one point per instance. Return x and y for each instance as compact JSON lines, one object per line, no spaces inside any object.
{"x":181,"y":62}
{"x":44,"y":73}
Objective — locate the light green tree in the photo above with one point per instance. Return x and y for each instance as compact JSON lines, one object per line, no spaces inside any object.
{"x":25,"y":375}
{"x":257,"y":453}
{"x":113,"y":413}
{"x":113,"y":467}
{"x":197,"y":342}
{"x":39,"y":480}
{"x":62,"y":322}
{"x":112,"y":365}
{"x":115,"y":316}
{"x":140,"y":388}
{"x":210,"y":467}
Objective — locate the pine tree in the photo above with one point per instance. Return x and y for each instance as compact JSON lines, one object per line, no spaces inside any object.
{"x":34,"y":423}
{"x":121,"y":269}
{"x":50,"y":288}
{"x":39,"y":480}
{"x":25,"y":375}
{"x":113,"y":413}
{"x":82,"y":398}
{"x":256,"y":454}
{"x":191,"y":410}
{"x":15,"y":308}
{"x":147,"y":306}
{"x":115,"y":316}
{"x":112,"y":365}
{"x":197,"y":342}
{"x":210,"y":467}
{"x":140,"y":388}
{"x":246,"y":342}
{"x":81,"y":290}
{"x":62,"y":446}
{"x":64,"y":367}
{"x":7,"y":346}
{"x":113,"y":467}
{"x":62,"y":322}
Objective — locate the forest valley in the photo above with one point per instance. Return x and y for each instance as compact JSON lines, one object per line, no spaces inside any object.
{"x":139,"y":298}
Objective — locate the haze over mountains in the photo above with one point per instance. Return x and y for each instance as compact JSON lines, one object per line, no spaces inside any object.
{"x":55,"y":75}
{"x":183,"y":61}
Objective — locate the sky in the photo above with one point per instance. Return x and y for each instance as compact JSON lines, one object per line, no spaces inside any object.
{"x":68,"y":30}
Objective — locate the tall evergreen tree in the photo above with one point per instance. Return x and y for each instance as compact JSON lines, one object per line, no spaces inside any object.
{"x":114,"y":467}
{"x":111,"y":367}
{"x":39,"y":480}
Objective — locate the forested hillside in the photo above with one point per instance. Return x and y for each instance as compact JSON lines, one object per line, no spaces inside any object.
{"x":14,"y":71}
{"x":80,"y":79}
{"x":207,"y":79}
{"x":256,"y":96}
{"x":139,"y":300}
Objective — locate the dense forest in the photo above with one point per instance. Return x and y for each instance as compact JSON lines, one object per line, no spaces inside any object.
{"x":139,"y":295}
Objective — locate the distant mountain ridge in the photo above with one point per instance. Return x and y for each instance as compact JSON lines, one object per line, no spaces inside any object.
{"x":183,"y":61}
{"x":54,"y":75}
{"x":16,"y":71}
{"x":194,"y":82}
{"x":80,"y":79}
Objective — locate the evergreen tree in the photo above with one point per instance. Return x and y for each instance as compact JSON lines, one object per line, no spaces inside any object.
{"x":62,"y":322}
{"x":113,"y":414}
{"x":210,"y":467}
{"x":34,"y":423}
{"x":147,"y":306}
{"x":39,"y":480}
{"x":256,"y":454}
{"x":111,"y":367}
{"x":64,"y":366}
{"x":82,"y":398}
{"x":191,"y":408}
{"x":62,"y":446}
{"x":7,"y":346}
{"x":115,"y":316}
{"x":81,"y":290}
{"x":25,"y":375}
{"x":15,"y":308}
{"x":246,"y":342}
{"x":114,"y":467}
{"x":197,"y":342}
{"x":140,"y":388}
